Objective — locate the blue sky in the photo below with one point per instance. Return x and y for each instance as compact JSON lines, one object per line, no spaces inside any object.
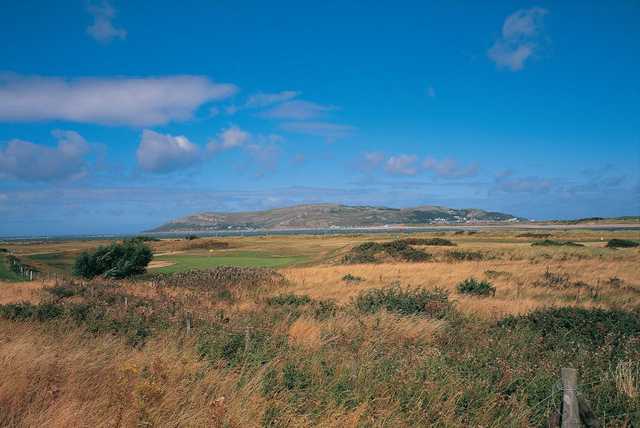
{"x":118,"y":116}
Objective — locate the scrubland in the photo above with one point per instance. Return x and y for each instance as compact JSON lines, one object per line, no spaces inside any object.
{"x":330,"y":342}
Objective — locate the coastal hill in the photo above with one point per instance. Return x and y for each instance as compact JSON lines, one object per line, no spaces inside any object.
{"x":318,"y":216}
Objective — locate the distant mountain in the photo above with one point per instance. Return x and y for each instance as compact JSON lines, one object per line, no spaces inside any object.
{"x":322,"y":216}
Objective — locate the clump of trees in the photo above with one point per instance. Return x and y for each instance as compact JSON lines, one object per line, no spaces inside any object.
{"x":118,"y":260}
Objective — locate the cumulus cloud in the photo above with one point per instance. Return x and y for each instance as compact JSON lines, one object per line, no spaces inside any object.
{"x":519,"y":40}
{"x":102,"y":28}
{"x":23,"y":160}
{"x":449,"y":168}
{"x":229,"y":138}
{"x":402,"y":165}
{"x":160,"y":153}
{"x":297,"y":110}
{"x":328,"y":130}
{"x":120,"y":101}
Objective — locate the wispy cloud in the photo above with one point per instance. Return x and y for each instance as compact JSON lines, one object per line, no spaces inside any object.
{"x":124,"y":101}
{"x":520,"y":38}
{"x":328,"y":130}
{"x":23,"y":160}
{"x":449,"y":168}
{"x":508,"y":182}
{"x":262,"y":100}
{"x":402,"y":165}
{"x":102,"y":28}
{"x":297,"y":110}
{"x":159,"y":153}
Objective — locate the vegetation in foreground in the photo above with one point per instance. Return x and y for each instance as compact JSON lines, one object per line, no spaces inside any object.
{"x":312,"y":345}
{"x":398,"y":354}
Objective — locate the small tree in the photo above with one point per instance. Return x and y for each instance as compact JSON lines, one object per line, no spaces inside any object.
{"x":118,"y":260}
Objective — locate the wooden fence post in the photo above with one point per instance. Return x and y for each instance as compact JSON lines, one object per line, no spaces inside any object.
{"x":570,"y":411}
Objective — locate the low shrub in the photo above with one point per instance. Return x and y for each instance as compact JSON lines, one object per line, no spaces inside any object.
{"x":352,"y":278}
{"x":289,"y":299}
{"x":419,"y":301}
{"x":578,"y":325}
{"x":533,"y":235}
{"x":64,"y":290}
{"x":552,"y":243}
{"x":461,"y":255}
{"x":191,"y":237}
{"x":430,"y":241}
{"x":399,"y":250}
{"x":622,"y":243}
{"x":475,"y":287}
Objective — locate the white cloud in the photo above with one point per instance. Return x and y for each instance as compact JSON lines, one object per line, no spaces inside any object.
{"x":23,"y":160}
{"x":297,"y":110}
{"x":519,"y":40}
{"x":102,"y":28}
{"x":161,"y":153}
{"x":330,"y":131}
{"x":261,"y":99}
{"x":228,"y":139}
{"x":449,"y":168}
{"x":119,"y":100}
{"x":402,"y":165}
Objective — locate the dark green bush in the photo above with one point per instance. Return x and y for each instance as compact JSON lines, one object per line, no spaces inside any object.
{"x":289,"y":299}
{"x":461,"y":255}
{"x":430,"y":241}
{"x":475,"y":287}
{"x":118,"y":260}
{"x":398,"y":250}
{"x":552,"y":243}
{"x":404,"y":301}
{"x":27,"y":311}
{"x":578,"y":325}
{"x":622,"y":243}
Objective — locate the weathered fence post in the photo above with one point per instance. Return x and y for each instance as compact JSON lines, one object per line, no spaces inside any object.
{"x":570,"y":410}
{"x":188,"y":315}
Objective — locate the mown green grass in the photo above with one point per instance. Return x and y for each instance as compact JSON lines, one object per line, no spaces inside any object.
{"x":57,"y":261}
{"x":184,"y":262}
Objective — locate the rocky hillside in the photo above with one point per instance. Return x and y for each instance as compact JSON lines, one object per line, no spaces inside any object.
{"x":331,"y":215}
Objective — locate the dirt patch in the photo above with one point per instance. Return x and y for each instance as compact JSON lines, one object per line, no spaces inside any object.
{"x":160,"y":264}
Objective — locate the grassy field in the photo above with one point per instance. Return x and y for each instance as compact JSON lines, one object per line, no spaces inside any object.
{"x":184,"y":262}
{"x":317,"y":342}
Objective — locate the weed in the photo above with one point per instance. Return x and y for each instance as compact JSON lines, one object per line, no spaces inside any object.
{"x":352,"y":278}
{"x":289,"y":299}
{"x":475,"y":287}
{"x":404,"y":301}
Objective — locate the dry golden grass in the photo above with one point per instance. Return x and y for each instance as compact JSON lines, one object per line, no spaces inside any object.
{"x":60,"y":376}
{"x":11,"y":292}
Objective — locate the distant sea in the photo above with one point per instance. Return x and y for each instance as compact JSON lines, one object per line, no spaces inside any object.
{"x":318,"y":232}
